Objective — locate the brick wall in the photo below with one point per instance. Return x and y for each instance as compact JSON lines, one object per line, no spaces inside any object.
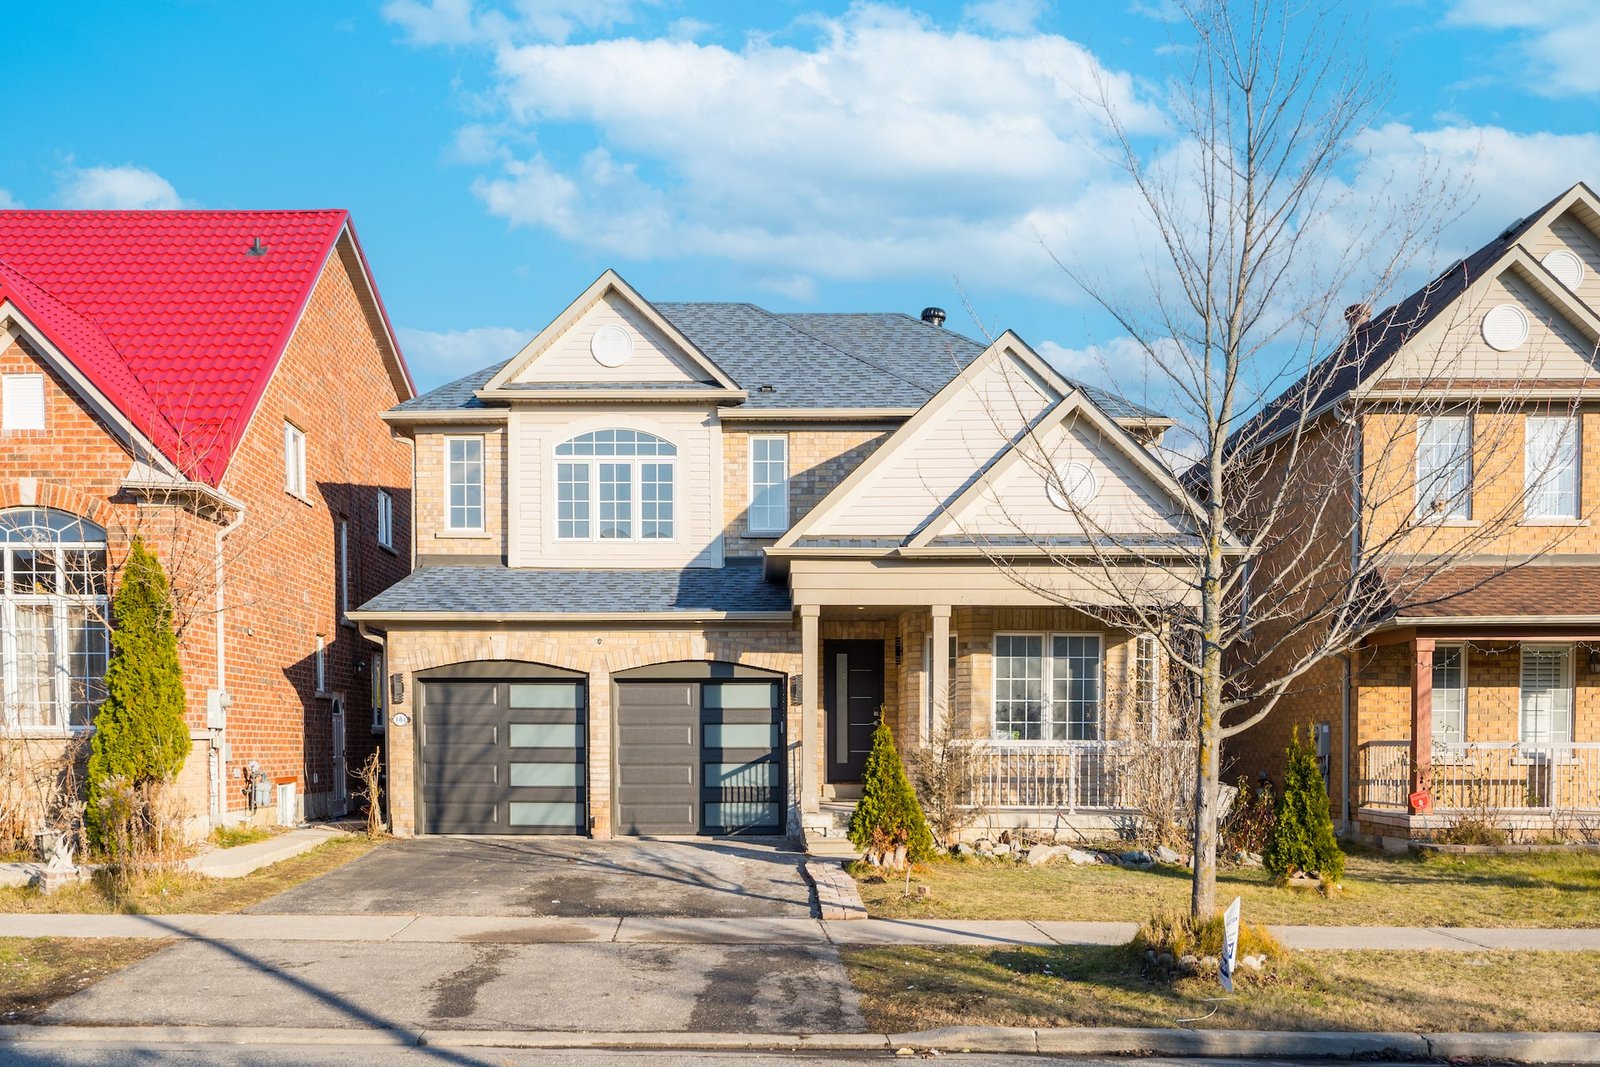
{"x":819,"y":459}
{"x":433,"y":538}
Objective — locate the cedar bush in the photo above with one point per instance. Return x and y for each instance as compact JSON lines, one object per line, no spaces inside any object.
{"x":140,"y":739}
{"x":1301,"y":839}
{"x":888,"y":816}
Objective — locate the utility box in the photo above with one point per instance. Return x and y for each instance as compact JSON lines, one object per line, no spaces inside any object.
{"x":218,"y":701}
{"x":286,"y":802}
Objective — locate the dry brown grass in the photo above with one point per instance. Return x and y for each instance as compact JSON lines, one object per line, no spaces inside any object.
{"x":905,"y":989}
{"x":184,"y":892}
{"x":1529,"y":890}
{"x":35,"y":972}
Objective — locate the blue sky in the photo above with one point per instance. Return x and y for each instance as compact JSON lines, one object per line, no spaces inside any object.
{"x":800,"y":155}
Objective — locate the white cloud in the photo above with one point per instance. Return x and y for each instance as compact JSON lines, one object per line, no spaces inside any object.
{"x":123,"y":188}
{"x":878,"y":143}
{"x":7,"y":201}
{"x":463,"y":22}
{"x":1557,"y":39}
{"x":1004,"y":16}
{"x":438,"y":356}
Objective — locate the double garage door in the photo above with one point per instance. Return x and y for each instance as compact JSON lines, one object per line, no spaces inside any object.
{"x":507,"y":756}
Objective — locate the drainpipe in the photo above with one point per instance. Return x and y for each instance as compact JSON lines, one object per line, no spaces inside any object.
{"x":219,"y":768}
{"x":1344,"y":743}
{"x":381,"y":681}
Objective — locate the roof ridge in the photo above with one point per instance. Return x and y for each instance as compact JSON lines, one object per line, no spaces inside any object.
{"x":776,"y":317}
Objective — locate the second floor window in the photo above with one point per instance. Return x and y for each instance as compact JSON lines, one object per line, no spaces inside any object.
{"x":1444,"y":467}
{"x":294,"y":459}
{"x":1551,"y":467}
{"x":385,"y":519}
{"x":616,"y":485}
{"x":769,"y":484}
{"x":464,"y":483}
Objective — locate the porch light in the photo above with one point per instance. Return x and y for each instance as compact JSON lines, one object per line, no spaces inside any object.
{"x":1594,"y":660}
{"x":898,"y":651}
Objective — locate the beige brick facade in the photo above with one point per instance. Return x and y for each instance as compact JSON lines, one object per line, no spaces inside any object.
{"x":434,"y":537}
{"x":819,"y":459}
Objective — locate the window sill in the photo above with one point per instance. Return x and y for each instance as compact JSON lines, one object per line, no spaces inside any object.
{"x":463,"y":535}
{"x":46,"y":733}
{"x":1449,"y":524}
{"x":393,"y":551}
{"x":1554,"y":522}
{"x":769,"y":536}
{"x":291,"y":494}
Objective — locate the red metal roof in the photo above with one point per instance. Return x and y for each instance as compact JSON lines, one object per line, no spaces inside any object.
{"x":168,"y":313}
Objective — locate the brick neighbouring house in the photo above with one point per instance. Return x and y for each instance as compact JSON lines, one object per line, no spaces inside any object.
{"x":211,"y":381}
{"x":673,"y":559}
{"x":1479,"y":701}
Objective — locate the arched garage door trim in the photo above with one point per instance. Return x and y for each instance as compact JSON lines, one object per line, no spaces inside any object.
{"x":698,"y":748}
{"x":501,"y":748}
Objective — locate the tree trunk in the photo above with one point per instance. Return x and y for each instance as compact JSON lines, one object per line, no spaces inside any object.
{"x":1208,"y":763}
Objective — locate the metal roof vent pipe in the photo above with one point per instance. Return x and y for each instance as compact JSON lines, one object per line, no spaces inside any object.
{"x":933,"y":316}
{"x":1356,"y":316}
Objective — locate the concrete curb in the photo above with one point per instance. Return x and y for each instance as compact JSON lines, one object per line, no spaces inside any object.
{"x":1579,"y":1048}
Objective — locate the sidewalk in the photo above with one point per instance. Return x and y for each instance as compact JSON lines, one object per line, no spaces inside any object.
{"x":448,"y":929}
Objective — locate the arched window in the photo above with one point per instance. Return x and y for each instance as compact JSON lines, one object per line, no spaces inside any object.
{"x":54,"y":643}
{"x":615,"y":485}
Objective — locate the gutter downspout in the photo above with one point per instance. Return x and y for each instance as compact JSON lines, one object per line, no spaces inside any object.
{"x":1344,"y":745}
{"x":219,"y":806}
{"x":380,"y":680}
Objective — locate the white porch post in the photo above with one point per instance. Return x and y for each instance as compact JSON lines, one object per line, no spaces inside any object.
{"x":939,"y":670}
{"x":810,"y":710}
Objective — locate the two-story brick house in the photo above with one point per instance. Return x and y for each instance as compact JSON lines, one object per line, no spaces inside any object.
{"x":1473,"y":402}
{"x":210,"y":381}
{"x":673,"y":559}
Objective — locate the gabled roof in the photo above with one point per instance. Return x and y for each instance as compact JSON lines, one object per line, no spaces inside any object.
{"x":169,"y":314}
{"x":1368,"y":349}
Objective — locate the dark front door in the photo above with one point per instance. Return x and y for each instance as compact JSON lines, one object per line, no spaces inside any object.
{"x":852,"y":679}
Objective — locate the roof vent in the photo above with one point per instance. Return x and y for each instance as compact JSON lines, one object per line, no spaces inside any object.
{"x":1357,"y":315}
{"x":256,"y":248}
{"x":933,"y":316}
{"x":769,"y":388}
{"x":1509,"y":230}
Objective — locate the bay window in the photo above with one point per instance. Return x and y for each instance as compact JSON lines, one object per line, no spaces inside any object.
{"x":54,"y":642}
{"x":1047,"y":687}
{"x":615,"y":485}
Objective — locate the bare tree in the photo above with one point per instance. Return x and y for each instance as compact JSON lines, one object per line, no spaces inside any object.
{"x":1311,"y":525}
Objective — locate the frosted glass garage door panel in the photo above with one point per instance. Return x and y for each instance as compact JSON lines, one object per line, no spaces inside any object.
{"x":729,"y":695}
{"x":544,"y":735}
{"x":741,"y":735}
{"x":560,"y":775}
{"x":733,"y":775}
{"x":562,"y":695}
{"x":543,"y":814}
{"x":734,"y":815}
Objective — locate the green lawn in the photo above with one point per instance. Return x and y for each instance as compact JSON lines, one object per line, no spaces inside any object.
{"x":904,"y":989}
{"x":187,"y":892}
{"x":1534,"y":889}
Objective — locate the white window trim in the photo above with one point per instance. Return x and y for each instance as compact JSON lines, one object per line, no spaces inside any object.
{"x":1048,"y":682}
{"x":954,"y":653}
{"x":636,"y":503}
{"x":60,"y":604}
{"x":294,"y":463}
{"x":750,"y":462}
{"x":1427,"y":517}
{"x":320,"y":665}
{"x":1466,"y":688}
{"x":1157,"y":708}
{"x":343,"y":549}
{"x":7,"y":409}
{"x":1568,"y":684}
{"x":483,"y":483}
{"x":385,"y":531}
{"x":1529,"y":473}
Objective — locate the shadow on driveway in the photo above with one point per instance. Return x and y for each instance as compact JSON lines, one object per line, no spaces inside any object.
{"x":562,"y":877}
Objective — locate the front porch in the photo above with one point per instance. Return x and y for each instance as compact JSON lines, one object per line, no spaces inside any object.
{"x":1500,"y":729}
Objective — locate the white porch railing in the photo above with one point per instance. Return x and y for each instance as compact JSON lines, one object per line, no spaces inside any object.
{"x":1487,"y":776}
{"x":1070,"y":776}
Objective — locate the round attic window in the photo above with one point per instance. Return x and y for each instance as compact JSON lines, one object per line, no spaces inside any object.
{"x":1073,"y":488}
{"x":1565,"y":265}
{"x":611,"y":346}
{"x":1505,"y":327}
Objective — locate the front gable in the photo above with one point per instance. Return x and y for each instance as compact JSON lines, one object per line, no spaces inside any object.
{"x":609,"y":339}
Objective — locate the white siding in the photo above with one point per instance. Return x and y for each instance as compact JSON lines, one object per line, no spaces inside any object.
{"x":1567,"y":232}
{"x":1555,"y":349}
{"x":930,"y":468}
{"x":535,"y":432}
{"x":1017,"y":502}
{"x":568,"y":359}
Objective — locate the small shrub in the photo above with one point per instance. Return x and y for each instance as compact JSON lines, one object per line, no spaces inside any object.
{"x":141,"y":834}
{"x":1467,"y":830}
{"x":1179,"y":934}
{"x":1250,"y":820}
{"x":1302,"y":839}
{"x":888,"y":817}
{"x":369,"y":790}
{"x":943,"y":774}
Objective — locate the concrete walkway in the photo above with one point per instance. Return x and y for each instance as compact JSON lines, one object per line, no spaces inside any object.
{"x":525,"y":930}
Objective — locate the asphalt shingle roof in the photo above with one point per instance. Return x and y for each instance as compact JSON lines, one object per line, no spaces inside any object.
{"x":868,"y":360}
{"x":737,"y":587}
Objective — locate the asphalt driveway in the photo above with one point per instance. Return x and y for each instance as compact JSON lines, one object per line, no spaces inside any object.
{"x":570,"y":877}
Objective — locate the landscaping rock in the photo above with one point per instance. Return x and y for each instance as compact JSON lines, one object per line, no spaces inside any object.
{"x":1137,"y":858}
{"x":1003,"y":848}
{"x":1188,"y":963}
{"x":1164,"y":854}
{"x":964,"y":849}
{"x":1109,"y":858}
{"x":1079,"y":857}
{"x":1164,"y":959}
{"x":1249,"y":859}
{"x":1039,"y":855}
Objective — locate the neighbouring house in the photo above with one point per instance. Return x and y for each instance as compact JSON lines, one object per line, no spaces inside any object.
{"x":210,"y":381}
{"x":674,"y":560}
{"x":1476,"y":406}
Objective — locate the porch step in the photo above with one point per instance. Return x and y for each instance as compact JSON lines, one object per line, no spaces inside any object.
{"x":827,"y":830}
{"x":833,"y":848}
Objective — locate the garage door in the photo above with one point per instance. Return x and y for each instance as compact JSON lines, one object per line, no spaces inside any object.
{"x":502,"y":756}
{"x":699,"y":757}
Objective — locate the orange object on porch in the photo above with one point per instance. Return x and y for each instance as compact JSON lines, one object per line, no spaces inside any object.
{"x":1421,"y":802}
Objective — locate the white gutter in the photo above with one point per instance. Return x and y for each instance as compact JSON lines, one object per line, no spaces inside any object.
{"x":489,"y":618}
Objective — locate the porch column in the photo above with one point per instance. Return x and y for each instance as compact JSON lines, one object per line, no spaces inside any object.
{"x":1421,"y":717}
{"x":939,"y":669}
{"x":810,"y":710}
